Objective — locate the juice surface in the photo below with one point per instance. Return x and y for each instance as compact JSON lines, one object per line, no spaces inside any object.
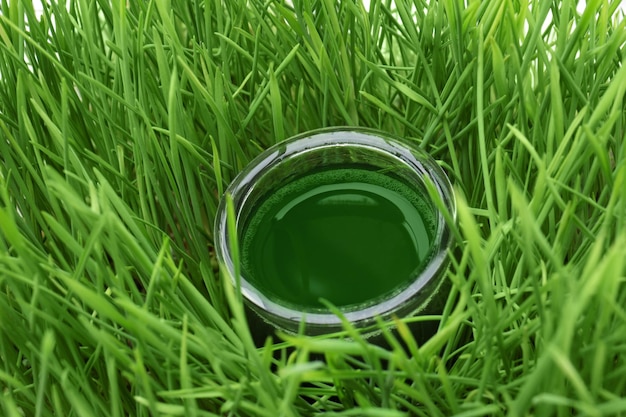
{"x":347,"y":235}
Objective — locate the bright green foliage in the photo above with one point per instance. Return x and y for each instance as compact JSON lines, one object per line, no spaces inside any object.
{"x":121,"y":123}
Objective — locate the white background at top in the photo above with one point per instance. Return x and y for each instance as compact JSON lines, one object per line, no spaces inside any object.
{"x":580,"y":7}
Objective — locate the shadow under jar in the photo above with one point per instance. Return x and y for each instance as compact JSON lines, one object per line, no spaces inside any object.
{"x":338,"y":217}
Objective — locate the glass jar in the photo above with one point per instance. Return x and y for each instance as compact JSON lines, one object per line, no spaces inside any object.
{"x":338,"y":220}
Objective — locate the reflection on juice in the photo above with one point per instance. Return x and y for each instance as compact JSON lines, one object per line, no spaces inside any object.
{"x":349,"y":235}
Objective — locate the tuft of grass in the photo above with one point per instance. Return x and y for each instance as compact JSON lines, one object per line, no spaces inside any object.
{"x":122,"y":122}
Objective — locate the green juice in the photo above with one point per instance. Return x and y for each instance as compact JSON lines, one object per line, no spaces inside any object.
{"x":349,"y":235}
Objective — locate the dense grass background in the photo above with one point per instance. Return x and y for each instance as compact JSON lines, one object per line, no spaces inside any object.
{"x":122,"y":122}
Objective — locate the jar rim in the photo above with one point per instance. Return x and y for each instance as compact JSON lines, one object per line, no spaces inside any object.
{"x":363,"y":314}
